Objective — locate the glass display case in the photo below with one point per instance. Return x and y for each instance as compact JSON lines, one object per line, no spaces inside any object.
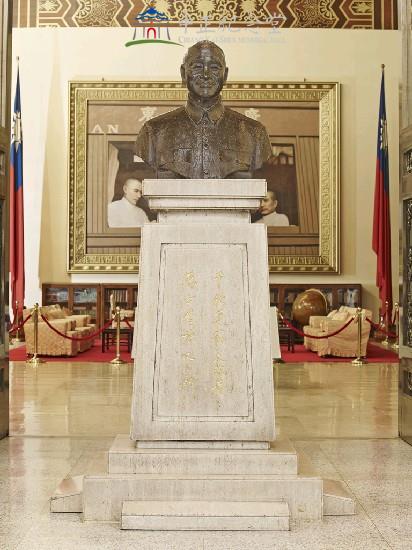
{"x":85,"y":301}
{"x":79,"y":299}
{"x":57,"y":295}
{"x":90,"y":299}
{"x":124,"y":296}
{"x":283,"y":295}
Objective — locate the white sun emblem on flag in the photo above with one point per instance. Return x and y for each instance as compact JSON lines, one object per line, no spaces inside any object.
{"x":16,"y":137}
{"x":383,"y":134}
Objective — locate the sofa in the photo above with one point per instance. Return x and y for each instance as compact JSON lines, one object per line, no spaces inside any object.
{"x":344,"y":344}
{"x":50,"y":343}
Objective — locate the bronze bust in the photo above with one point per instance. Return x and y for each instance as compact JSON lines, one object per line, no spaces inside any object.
{"x":203,"y":139}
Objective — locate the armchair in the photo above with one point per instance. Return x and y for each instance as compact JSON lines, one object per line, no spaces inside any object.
{"x":344,"y":344}
{"x":125,"y":315}
{"x":50,"y":343}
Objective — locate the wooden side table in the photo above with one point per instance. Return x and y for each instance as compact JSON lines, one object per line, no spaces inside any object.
{"x":109,"y":338}
{"x":287,"y":336}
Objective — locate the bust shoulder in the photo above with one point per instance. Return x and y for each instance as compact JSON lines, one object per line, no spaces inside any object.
{"x":166,"y":119}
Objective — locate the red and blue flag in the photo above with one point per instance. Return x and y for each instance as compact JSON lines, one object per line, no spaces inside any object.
{"x":16,"y":208}
{"x":381,"y":239}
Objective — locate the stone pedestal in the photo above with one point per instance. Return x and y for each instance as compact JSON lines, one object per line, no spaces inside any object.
{"x":201,"y":454}
{"x":203,"y":368}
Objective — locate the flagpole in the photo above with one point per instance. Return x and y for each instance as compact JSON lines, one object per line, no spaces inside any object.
{"x":17,"y":207}
{"x":381,"y":232}
{"x":385,"y":341}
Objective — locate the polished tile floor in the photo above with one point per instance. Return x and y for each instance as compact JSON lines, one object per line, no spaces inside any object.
{"x":64,"y":416}
{"x":312,"y":400}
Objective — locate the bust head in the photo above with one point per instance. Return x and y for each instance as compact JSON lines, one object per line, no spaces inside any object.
{"x":204,"y":71}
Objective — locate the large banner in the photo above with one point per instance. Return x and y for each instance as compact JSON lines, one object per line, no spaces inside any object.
{"x":339,"y":14}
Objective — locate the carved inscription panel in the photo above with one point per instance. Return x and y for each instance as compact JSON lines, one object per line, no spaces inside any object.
{"x":203,"y":341}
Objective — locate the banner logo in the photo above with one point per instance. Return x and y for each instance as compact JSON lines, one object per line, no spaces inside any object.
{"x":153,"y":27}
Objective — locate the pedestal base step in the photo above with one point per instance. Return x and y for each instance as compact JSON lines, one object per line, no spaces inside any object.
{"x":126,"y":458}
{"x":103,"y":496}
{"x":68,"y":497}
{"x":205,"y":516}
{"x":336,"y":499}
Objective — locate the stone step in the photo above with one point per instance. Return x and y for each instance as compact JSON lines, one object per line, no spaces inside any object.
{"x":103,"y":496}
{"x":337,"y":501}
{"x":205,"y":516}
{"x":125,"y":458}
{"x":68,"y":495}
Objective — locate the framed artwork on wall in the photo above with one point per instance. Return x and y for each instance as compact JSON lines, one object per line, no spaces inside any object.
{"x":301,"y":209}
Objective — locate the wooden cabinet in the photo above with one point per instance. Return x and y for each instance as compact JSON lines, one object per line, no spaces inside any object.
{"x":91,"y":299}
{"x":78,"y":298}
{"x":283,"y":295}
{"x":94,"y":299}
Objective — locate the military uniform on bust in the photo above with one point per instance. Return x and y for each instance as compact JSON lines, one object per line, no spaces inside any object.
{"x":192,"y":142}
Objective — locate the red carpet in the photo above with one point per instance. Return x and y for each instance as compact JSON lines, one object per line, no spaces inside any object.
{"x":376,"y":354}
{"x":92,"y":355}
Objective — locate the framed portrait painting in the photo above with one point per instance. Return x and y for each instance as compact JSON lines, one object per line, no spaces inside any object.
{"x":106,"y":206}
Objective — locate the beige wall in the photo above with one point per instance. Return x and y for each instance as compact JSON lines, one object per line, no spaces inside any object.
{"x":49,"y":58}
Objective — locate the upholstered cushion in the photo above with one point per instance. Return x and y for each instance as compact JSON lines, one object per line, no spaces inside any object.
{"x":316,"y":320}
{"x":341,"y":316}
{"x":351,"y":310}
{"x":126,"y":313}
{"x":54,"y":314}
{"x":331,"y":314}
{"x":81,"y":320}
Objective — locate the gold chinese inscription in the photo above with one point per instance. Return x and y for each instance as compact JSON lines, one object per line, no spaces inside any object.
{"x":218,"y":337}
{"x":188,"y":330}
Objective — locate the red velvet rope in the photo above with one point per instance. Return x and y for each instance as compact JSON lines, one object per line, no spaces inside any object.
{"x":128,"y":324}
{"x":89,"y":337}
{"x":13,"y":328}
{"x":379,"y":329}
{"x":289,"y":325}
{"x":384,"y":315}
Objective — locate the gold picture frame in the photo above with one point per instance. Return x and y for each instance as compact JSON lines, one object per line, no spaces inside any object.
{"x":302,"y":119}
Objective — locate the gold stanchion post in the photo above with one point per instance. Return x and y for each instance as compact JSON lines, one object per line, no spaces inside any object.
{"x":35,"y":360}
{"x":395,"y":345}
{"x":17,"y":338}
{"x":386,"y":342}
{"x":359,"y":359}
{"x":117,"y":360}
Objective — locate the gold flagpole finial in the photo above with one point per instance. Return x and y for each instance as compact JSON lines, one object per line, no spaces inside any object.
{"x":383,"y":66}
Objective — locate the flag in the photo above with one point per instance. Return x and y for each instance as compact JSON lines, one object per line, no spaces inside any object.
{"x":381,"y":239}
{"x":16,"y":208}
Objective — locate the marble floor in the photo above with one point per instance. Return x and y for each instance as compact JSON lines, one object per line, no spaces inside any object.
{"x":64,"y":416}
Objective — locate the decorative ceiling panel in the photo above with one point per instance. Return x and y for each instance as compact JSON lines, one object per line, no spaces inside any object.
{"x":339,"y":14}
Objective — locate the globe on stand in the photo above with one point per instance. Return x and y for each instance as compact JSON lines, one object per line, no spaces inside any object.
{"x":310,"y":302}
